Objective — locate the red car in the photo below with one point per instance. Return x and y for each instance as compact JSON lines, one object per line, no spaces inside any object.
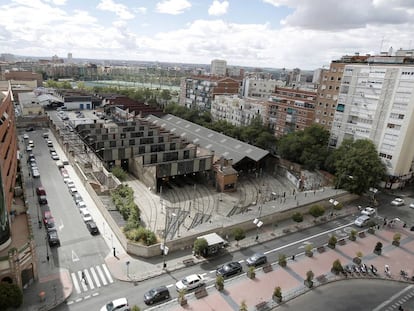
{"x":40,"y":190}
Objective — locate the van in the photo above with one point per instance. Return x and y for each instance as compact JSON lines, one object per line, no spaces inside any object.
{"x":59,"y":164}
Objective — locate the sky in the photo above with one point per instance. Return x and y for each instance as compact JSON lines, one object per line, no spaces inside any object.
{"x":304,"y":34}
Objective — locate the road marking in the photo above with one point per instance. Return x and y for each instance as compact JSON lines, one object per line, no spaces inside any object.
{"x":392,"y":298}
{"x":304,"y":244}
{"x":108,"y":275}
{"x":306,"y":239}
{"x":74,"y":256}
{"x":98,"y":268}
{"x":88,"y":277}
{"x":75,"y":283}
{"x":95,"y":277}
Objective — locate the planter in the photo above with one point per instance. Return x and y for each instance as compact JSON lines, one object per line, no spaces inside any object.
{"x":356,"y":260}
{"x":334,"y":271}
{"x":219,"y":287}
{"x":277,"y":299}
{"x":308,"y":284}
{"x":396,"y":243}
{"x":352,"y":238}
{"x":332,"y":246}
{"x":320,"y":249}
{"x":309,"y":254}
{"x":342,"y":242}
{"x":182,"y":301}
{"x":251,"y":274}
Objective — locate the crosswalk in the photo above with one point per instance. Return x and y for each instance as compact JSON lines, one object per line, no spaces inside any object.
{"x":91,"y":278}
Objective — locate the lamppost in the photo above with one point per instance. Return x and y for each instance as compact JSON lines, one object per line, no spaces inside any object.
{"x":164,"y":247}
{"x":258,"y":222}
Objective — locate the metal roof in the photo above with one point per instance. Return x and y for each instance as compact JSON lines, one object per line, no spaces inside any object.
{"x":222,"y":145}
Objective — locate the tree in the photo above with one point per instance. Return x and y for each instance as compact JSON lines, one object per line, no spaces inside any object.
{"x":282,"y":260}
{"x":307,"y":147}
{"x":11,"y":296}
{"x":316,"y":210}
{"x":238,"y":234}
{"x":297,"y":217}
{"x":200,"y":246}
{"x":357,"y":166}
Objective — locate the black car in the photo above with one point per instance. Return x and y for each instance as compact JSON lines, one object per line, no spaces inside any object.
{"x":42,"y":199}
{"x":229,"y":269}
{"x":51,"y":225}
{"x":156,"y":295}
{"x":92,"y":227}
{"x":256,"y":260}
{"x":53,"y":238}
{"x":30,"y":129}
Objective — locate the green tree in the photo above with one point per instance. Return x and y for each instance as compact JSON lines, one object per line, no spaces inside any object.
{"x":11,"y":296}
{"x":200,"y":246}
{"x":238,"y":234}
{"x":357,"y":166}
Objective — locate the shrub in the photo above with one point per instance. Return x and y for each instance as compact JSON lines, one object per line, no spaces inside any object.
{"x":243,"y":306}
{"x":309,"y":276}
{"x":396,"y":237}
{"x":316,"y":210}
{"x":239,"y":234}
{"x":200,"y":246}
{"x":297,"y":217}
{"x":332,"y":240}
{"x":337,"y":266}
{"x":353,"y":234}
{"x":282,"y":260}
{"x":11,"y":296}
{"x":277,"y":292}
{"x":378,"y":247}
{"x":308,"y":249}
{"x":135,"y":308}
{"x":119,"y":173}
{"x":220,"y":282}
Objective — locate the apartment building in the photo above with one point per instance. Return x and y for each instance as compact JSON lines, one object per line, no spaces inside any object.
{"x":17,"y":247}
{"x":376,"y":102}
{"x":259,"y":88}
{"x":198,"y":92}
{"x":237,"y":111}
{"x":328,"y":89}
{"x":218,"y":67}
{"x":290,"y":110}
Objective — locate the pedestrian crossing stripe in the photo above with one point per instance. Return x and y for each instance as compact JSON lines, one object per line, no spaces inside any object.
{"x":88,"y":279}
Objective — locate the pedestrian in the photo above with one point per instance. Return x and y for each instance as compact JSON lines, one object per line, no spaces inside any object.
{"x":293,"y":257}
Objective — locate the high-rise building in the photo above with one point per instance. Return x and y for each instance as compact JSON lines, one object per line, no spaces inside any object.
{"x":376,"y":102}
{"x":218,"y":67}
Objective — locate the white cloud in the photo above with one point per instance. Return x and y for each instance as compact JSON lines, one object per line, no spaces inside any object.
{"x":343,"y":15}
{"x":120,"y":10}
{"x":56,"y":2}
{"x":218,"y":8}
{"x":173,"y":7}
{"x":141,"y":10}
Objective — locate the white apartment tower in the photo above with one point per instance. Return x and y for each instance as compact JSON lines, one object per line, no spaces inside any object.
{"x":218,"y":67}
{"x":376,"y":102}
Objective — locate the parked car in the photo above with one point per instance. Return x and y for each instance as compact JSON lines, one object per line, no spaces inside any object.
{"x":42,"y":199}
{"x":229,"y":269}
{"x":29,"y":149}
{"x":51,"y":224}
{"x":35,"y":173}
{"x":46,"y":216}
{"x":52,"y":150}
{"x":412,"y":205}
{"x":40,"y":190}
{"x":256,"y":260}
{"x":45,"y":135}
{"x":54,"y":156}
{"x":49,"y":143}
{"x":397,"y":202}
{"x":81,"y":204}
{"x":190,"y":282}
{"x":30,"y":129}
{"x":120,"y":304}
{"x":92,"y":227}
{"x":77,"y":198}
{"x":362,"y":221}
{"x":369,"y":211}
{"x":85,"y":214}
{"x":53,"y":238}
{"x":31,"y":143}
{"x":157,"y":294}
{"x":25,"y":136}
{"x":73,"y":190}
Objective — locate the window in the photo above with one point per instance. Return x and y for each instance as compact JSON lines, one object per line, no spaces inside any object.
{"x":153,"y":158}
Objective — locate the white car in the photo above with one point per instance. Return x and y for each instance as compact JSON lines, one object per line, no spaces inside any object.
{"x":86,"y":216}
{"x":120,"y":304}
{"x":190,"y":282}
{"x":362,"y":221}
{"x":54,"y":156}
{"x":412,"y":205}
{"x":397,"y":202}
{"x":369,"y":211}
{"x":35,"y":173}
{"x":25,"y":136}
{"x":73,"y":190}
{"x":81,"y":204}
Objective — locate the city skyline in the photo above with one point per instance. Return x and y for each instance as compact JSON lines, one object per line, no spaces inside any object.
{"x":255,"y":33}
